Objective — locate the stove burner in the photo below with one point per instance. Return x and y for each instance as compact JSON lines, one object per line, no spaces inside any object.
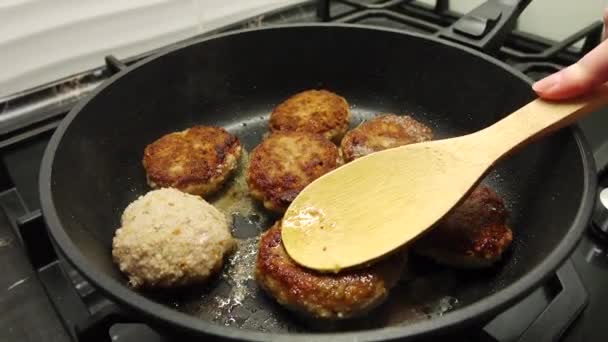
{"x":88,"y":316}
{"x":521,"y":50}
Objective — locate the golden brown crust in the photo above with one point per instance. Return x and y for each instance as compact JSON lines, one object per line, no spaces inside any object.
{"x":285,"y":162}
{"x":197,"y":160}
{"x":474,"y":234}
{"x":383,"y":132}
{"x":333,"y":296}
{"x":314,"y":111}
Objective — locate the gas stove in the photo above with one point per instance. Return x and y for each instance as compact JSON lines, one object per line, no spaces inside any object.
{"x":43,"y":298}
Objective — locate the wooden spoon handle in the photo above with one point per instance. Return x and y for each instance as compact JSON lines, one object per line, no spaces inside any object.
{"x":536,"y":119}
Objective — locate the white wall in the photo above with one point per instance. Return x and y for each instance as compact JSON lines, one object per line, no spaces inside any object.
{"x":44,"y":40}
{"x":554,"y":19}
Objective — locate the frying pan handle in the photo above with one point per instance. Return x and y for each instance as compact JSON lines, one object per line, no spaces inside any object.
{"x":486,"y":27}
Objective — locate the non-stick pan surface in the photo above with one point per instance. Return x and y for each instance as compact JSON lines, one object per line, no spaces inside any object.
{"x":92,"y":170}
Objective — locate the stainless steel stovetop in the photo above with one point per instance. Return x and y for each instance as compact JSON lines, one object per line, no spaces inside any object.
{"x":43,"y":299}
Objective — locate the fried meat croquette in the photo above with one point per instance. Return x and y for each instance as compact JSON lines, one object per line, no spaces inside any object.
{"x":314,"y":111}
{"x":197,"y":160}
{"x":169,"y":238}
{"x":286,"y":162}
{"x":383,"y":132}
{"x":474,"y":235}
{"x":330,"y":296}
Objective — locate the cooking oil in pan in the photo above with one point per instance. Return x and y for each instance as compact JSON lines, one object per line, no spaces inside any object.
{"x":234,"y":198}
{"x":238,"y":273}
{"x":234,"y":298}
{"x":238,"y":302}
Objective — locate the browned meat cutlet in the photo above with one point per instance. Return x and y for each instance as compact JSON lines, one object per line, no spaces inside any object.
{"x":474,"y":235}
{"x":286,"y":162}
{"x":382,"y":132}
{"x":197,"y":160}
{"x":314,"y":111}
{"x":330,"y":296}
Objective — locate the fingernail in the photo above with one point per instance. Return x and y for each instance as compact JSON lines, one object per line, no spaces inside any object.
{"x":547,"y":83}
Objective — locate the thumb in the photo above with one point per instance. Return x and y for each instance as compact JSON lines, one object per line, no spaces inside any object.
{"x":588,"y":73}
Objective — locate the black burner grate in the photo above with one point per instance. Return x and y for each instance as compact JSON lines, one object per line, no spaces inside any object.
{"x":534,"y":56}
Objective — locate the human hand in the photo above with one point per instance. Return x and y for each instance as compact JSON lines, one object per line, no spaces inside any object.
{"x":581,"y":77}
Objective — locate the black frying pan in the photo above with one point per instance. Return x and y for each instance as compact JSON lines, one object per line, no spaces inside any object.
{"x":92,"y":167}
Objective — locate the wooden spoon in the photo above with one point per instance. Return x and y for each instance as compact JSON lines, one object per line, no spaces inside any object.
{"x":378,"y":203}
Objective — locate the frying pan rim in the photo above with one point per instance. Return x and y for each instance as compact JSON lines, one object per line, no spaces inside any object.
{"x":483,"y":308}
